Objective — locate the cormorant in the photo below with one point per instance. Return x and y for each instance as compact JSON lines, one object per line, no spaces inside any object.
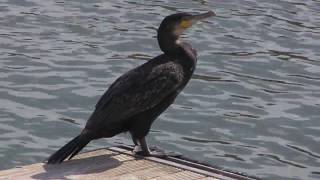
{"x":139,"y":96}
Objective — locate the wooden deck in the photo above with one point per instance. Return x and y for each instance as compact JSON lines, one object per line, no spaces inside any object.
{"x":119,"y":163}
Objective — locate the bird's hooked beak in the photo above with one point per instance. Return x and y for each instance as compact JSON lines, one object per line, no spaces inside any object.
{"x":193,"y":19}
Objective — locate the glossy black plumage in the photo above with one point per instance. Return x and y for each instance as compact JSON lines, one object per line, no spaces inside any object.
{"x":139,"y":96}
{"x":138,"y":93}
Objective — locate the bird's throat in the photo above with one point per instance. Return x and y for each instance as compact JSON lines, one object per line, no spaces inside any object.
{"x":169,"y":43}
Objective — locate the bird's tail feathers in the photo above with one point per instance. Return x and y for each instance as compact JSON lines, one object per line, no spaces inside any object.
{"x":70,"y":149}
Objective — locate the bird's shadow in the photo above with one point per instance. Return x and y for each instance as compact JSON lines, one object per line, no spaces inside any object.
{"x":78,"y":167}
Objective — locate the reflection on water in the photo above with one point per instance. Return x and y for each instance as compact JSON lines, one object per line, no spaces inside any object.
{"x":252,"y":105}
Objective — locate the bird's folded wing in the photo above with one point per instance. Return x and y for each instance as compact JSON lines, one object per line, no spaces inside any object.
{"x":136,"y":92}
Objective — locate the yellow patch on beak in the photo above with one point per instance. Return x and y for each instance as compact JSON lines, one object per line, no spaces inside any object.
{"x":186,"y":24}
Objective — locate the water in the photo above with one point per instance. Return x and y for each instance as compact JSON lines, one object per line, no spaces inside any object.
{"x":252,"y":105}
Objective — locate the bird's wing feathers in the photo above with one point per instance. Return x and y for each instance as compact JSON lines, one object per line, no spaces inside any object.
{"x":137,"y":91}
{"x":120,"y":85}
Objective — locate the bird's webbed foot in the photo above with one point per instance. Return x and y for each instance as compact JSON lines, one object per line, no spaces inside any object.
{"x":141,"y":148}
{"x":151,"y":153}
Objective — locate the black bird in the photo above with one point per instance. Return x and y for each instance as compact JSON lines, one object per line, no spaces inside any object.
{"x":139,"y":96}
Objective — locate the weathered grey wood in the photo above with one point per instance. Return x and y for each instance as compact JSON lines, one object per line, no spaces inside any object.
{"x":190,"y":166}
{"x":113,"y":163}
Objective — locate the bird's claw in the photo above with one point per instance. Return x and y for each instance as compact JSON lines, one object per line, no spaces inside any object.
{"x":138,"y":151}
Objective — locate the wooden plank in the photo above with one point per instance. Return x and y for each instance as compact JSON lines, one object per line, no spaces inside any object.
{"x":182,"y":175}
{"x":97,"y":152}
{"x":208,"y":178}
{"x":190,"y":166}
{"x":174,"y":164}
{"x":114,"y":163}
{"x":127,"y":168}
{"x":152,"y":172}
{"x":123,"y":157}
{"x":85,"y":163}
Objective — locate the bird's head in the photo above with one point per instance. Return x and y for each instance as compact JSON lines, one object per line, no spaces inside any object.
{"x":174,"y":25}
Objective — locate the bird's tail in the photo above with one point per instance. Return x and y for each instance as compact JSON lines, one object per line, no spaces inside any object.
{"x":70,"y":149}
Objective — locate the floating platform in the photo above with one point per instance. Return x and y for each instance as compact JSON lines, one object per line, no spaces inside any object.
{"x":119,"y":163}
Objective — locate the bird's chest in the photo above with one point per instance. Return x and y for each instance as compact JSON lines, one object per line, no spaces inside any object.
{"x":186,"y":72}
{"x":189,"y":65}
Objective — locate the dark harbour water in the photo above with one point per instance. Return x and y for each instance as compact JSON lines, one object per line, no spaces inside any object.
{"x":252,"y":106}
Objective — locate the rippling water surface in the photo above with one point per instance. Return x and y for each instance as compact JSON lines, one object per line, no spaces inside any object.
{"x":252,"y":105}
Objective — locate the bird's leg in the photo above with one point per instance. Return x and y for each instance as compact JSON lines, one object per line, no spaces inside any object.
{"x":137,"y":147}
{"x":135,"y":142}
{"x":145,"y":151}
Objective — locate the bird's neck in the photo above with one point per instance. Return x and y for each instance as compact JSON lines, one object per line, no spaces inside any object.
{"x":179,"y":51}
{"x":172,"y":46}
{"x":169,"y":43}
